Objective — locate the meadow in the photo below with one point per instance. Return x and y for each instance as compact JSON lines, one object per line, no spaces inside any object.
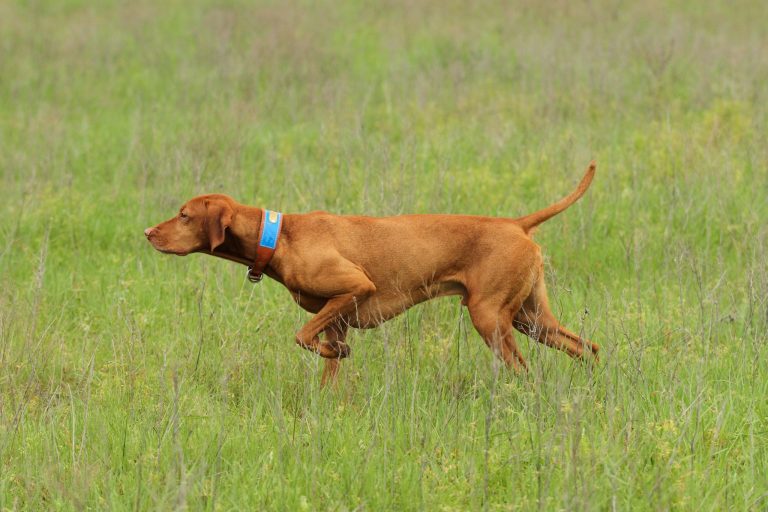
{"x":132,"y":380}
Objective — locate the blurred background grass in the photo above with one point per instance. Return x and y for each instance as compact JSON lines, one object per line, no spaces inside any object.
{"x":133,"y":380}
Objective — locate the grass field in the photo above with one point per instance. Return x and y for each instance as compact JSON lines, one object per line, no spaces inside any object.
{"x":132,"y":380}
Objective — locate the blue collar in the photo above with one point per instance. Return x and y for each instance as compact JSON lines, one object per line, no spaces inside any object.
{"x":271,"y":229}
{"x":271,"y":222}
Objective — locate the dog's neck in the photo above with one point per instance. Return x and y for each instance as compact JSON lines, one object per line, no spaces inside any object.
{"x":242,"y":236}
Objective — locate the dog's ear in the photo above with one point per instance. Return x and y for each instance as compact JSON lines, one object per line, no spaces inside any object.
{"x":217,"y":220}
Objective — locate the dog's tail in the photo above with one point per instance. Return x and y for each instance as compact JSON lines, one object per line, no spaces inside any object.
{"x":529,"y":222}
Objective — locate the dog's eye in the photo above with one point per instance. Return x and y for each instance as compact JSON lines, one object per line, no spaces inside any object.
{"x":183,"y":215}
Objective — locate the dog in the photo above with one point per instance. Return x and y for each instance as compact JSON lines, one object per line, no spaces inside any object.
{"x":358,"y":271}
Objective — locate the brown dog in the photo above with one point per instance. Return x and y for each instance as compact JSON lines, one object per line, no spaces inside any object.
{"x":362,"y":271}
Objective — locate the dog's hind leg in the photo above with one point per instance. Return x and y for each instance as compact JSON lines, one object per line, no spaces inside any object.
{"x":594,"y":347}
{"x":496,"y":329}
{"x":535,"y":319}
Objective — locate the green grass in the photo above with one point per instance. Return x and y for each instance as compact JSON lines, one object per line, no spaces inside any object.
{"x":137,"y":381}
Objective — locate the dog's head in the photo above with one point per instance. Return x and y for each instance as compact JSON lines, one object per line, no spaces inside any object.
{"x":199,"y":226}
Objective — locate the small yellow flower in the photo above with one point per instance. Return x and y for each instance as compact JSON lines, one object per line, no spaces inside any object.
{"x":669,"y":426}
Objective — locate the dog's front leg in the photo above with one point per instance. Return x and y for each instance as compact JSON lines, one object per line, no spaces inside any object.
{"x":335,"y":309}
{"x":345,"y":287}
{"x":335,"y":335}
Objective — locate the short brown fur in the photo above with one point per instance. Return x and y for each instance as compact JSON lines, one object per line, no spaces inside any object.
{"x":355,"y":271}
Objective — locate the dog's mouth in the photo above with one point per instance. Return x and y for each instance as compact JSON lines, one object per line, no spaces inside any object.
{"x":170,"y":251}
{"x":175,"y":252}
{"x":159,"y":246}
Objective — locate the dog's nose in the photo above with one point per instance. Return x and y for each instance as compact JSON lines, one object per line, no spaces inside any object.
{"x":148,"y":232}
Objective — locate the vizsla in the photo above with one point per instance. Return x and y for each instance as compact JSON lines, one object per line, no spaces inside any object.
{"x":354,"y":271}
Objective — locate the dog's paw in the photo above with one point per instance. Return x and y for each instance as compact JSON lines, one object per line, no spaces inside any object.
{"x":334,"y":350}
{"x":343,"y":349}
